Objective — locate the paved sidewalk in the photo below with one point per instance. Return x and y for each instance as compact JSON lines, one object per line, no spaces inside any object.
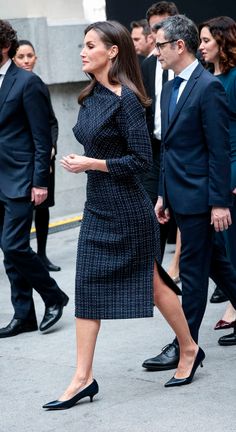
{"x":35,"y":368}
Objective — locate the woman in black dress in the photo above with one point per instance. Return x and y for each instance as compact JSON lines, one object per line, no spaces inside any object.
{"x":117,"y":272}
{"x":26,"y":58}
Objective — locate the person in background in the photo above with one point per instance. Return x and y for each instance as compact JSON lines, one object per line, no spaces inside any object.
{"x":118,"y":275}
{"x":25,"y":151}
{"x":218,"y":47}
{"x":25,"y":58}
{"x":142,"y":37}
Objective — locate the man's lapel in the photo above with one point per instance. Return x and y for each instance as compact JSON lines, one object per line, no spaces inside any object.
{"x":165,"y":106}
{"x":7,"y":84}
{"x":184,"y":96}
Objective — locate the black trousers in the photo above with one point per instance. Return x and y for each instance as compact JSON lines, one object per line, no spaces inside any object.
{"x":201,"y":257}
{"x":23,"y":266}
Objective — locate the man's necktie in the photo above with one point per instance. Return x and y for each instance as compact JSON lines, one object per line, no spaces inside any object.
{"x":174,"y":94}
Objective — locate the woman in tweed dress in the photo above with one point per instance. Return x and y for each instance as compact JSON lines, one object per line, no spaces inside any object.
{"x":117,"y":273}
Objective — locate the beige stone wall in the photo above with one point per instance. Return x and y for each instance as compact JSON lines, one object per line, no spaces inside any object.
{"x":52,"y":9}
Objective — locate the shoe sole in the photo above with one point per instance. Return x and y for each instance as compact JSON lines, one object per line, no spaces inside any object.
{"x":17,"y":333}
{"x":160,"y":368}
{"x":227,"y":343}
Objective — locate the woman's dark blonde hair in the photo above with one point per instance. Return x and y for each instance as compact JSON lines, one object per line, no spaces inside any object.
{"x":223,"y":30}
{"x":125,"y":68}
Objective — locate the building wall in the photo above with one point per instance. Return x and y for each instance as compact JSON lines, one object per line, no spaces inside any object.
{"x":52,"y":9}
{"x":56,"y":29}
{"x":70,"y":188}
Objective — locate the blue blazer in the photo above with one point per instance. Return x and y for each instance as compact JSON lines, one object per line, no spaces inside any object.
{"x":195,"y":167}
{"x":25,"y":134}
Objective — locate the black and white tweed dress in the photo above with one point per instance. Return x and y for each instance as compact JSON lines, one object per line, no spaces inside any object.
{"x":119,"y":236}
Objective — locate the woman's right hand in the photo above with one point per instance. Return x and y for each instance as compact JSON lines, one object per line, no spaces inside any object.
{"x":75,"y":163}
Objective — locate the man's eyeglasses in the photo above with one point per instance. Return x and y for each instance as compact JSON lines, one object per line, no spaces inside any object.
{"x":159,"y":46}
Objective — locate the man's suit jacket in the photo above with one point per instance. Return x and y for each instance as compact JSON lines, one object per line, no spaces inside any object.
{"x":25,"y":134}
{"x":149,"y":76}
{"x":195,"y":173}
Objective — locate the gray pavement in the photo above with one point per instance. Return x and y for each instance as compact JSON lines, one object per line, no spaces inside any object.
{"x":35,"y":368}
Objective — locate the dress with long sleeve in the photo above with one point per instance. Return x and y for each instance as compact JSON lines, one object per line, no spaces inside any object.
{"x":229,"y":82}
{"x":119,"y":237}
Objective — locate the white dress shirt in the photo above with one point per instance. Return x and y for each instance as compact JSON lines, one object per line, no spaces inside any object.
{"x":3,"y":70}
{"x":185,"y":74}
{"x":158,"y":89}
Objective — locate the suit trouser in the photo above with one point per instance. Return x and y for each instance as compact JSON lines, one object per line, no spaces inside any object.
{"x":195,"y":259}
{"x":201,"y":257}
{"x":23,"y":266}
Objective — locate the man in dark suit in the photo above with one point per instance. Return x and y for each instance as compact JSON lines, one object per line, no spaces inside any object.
{"x":195,"y":172}
{"x":142,"y":38}
{"x":25,"y":151}
{"x":154,"y":78}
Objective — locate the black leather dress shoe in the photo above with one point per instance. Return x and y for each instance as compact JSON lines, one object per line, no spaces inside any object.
{"x":53,"y":314}
{"x":168,"y":359}
{"x":48,"y":264}
{"x":218,"y":296}
{"x":228,"y":339}
{"x":17,"y":326}
{"x":52,"y":267}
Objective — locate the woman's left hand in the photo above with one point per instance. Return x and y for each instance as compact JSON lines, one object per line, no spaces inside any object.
{"x":234,"y":191}
{"x":75,"y":163}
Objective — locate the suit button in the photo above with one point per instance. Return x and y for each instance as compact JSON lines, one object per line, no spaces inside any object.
{"x":167,"y":147}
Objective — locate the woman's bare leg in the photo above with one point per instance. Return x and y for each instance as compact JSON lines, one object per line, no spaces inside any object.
{"x":168,"y":304}
{"x":173,"y":269}
{"x":86,"y":336}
